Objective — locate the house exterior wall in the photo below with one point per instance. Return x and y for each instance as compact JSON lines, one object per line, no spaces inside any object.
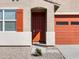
{"x":50,"y":19}
{"x":27,"y":5}
{"x":22,"y":4}
{"x":67,"y":6}
{"x":17,"y":38}
{"x":50,"y":12}
{"x":67,"y":34}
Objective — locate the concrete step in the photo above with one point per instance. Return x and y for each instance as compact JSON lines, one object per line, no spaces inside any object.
{"x":44,"y":49}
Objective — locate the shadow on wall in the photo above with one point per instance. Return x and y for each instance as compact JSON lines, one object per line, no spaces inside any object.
{"x":55,"y":8}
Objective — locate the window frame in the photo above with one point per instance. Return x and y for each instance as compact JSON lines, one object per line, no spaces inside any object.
{"x":3,"y":20}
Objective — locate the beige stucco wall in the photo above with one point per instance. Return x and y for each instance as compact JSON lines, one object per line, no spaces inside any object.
{"x":50,"y":12}
{"x":65,"y":6}
{"x":50,"y":19}
{"x":68,"y":6}
{"x":21,"y":4}
{"x":27,"y":5}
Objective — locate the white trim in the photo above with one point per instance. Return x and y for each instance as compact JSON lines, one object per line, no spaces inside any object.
{"x":10,"y":31}
{"x":3,"y":22}
{"x":50,"y":38}
{"x":15,"y":38}
{"x":10,"y":8}
{"x":67,"y":13}
{"x":7,"y":31}
{"x":10,"y":20}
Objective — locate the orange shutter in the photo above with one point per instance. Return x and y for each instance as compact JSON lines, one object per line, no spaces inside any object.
{"x":19,"y":20}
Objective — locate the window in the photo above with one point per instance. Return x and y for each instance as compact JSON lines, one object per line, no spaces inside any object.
{"x":61,"y":23}
{"x":74,"y":23}
{"x":8,"y":20}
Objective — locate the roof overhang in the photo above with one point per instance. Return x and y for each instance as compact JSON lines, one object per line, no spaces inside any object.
{"x":52,"y":2}
{"x":56,"y":5}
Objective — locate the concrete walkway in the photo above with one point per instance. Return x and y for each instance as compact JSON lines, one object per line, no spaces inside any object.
{"x":69,"y":51}
{"x":25,"y":53}
{"x":49,"y":56}
{"x":48,"y":53}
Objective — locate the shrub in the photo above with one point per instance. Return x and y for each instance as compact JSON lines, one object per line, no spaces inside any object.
{"x":38,"y":52}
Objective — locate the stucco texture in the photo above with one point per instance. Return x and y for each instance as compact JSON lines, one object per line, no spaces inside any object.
{"x":67,"y":5}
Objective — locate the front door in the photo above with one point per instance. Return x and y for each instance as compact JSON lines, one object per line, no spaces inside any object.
{"x":39,"y":27}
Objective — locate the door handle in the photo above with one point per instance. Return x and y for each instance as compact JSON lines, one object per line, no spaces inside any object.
{"x":33,"y":30}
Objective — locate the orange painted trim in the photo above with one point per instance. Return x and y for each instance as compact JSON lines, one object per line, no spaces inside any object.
{"x":19,"y":21}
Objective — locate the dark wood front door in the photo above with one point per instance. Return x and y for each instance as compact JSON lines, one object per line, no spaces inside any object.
{"x":39,"y":27}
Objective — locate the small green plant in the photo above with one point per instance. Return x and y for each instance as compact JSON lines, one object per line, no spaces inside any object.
{"x":38,"y":52}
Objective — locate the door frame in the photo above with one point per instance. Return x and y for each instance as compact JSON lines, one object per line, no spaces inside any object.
{"x":39,"y":9}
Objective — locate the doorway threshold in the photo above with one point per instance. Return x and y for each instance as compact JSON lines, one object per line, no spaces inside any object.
{"x":42,"y":44}
{"x":39,"y":44}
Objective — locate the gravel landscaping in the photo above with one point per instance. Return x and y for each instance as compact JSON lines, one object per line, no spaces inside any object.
{"x":14,"y":52}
